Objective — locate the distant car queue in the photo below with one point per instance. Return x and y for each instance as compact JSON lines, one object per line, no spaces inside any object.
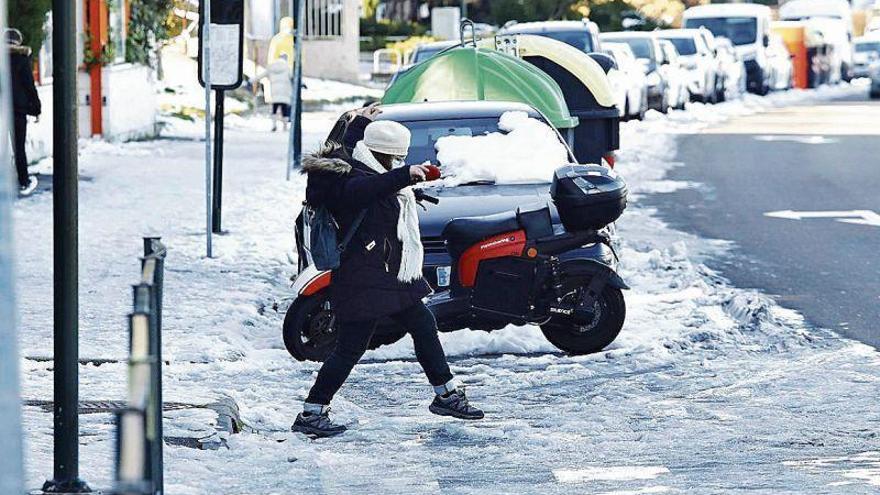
{"x":721,"y":52}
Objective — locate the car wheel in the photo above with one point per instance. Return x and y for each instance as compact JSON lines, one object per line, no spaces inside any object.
{"x":593,"y":333}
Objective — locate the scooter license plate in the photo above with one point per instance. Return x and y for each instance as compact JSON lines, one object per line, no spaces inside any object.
{"x":443,"y":275}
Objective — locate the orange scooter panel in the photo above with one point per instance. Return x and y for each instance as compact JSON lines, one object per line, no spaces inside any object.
{"x":499,"y":246}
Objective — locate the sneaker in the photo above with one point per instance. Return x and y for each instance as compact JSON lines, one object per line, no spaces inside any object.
{"x":455,"y":404}
{"x":29,"y":188}
{"x":318,"y":424}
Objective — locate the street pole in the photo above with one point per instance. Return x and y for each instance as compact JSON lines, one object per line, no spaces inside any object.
{"x":290,"y":134}
{"x":66,"y":259}
{"x":206,"y":64}
{"x":294,"y":145}
{"x":219,"y":114}
{"x":11,"y":462}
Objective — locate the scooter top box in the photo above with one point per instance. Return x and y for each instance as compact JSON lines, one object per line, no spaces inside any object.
{"x":588,"y":197}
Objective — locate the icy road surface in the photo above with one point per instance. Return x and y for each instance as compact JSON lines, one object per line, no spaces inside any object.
{"x":709,"y":388}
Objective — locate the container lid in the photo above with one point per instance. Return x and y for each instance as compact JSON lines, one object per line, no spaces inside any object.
{"x":581,"y":66}
{"x":467,"y":73}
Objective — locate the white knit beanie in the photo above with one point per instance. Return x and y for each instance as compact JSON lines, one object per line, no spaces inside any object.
{"x":387,"y":136}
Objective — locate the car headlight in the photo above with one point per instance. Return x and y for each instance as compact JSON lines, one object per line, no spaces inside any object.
{"x":654,"y":79}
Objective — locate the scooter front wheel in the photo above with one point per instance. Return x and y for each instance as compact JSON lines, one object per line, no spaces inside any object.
{"x":591,"y":334}
{"x":310,"y":329}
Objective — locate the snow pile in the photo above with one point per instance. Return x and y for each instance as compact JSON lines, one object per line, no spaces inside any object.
{"x":526,"y":151}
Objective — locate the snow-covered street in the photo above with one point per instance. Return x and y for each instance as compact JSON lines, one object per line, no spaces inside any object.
{"x":709,"y":388}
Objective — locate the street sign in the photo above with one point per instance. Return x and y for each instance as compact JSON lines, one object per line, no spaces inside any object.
{"x":858,"y":217}
{"x":223,"y":55}
{"x":226,"y":42}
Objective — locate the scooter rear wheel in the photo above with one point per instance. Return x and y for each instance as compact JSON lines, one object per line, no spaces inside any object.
{"x":587,"y":337}
{"x":310,"y":329}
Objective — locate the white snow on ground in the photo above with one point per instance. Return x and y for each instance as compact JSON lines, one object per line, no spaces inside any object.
{"x":527,"y":151}
{"x":709,"y":388}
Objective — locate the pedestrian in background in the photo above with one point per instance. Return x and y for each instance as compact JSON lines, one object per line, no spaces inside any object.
{"x":280,"y":89}
{"x":25,"y":101}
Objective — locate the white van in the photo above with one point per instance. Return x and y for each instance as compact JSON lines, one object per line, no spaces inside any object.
{"x":747,"y":26}
{"x":834,"y":18}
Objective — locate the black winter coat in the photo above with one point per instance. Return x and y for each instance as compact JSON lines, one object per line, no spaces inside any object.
{"x":365,"y":286}
{"x":24,"y":91}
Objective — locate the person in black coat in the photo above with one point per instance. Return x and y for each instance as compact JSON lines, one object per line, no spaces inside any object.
{"x":380,"y":271}
{"x":25,"y":101}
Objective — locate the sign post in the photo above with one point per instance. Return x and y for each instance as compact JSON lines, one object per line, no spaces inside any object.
{"x":65,"y":214}
{"x":221,"y":54}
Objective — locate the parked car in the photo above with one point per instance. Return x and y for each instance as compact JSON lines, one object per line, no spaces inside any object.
{"x":874,"y":74}
{"x":424,"y":51}
{"x":836,"y":17}
{"x":732,"y":66}
{"x":583,"y":35}
{"x":779,"y":62}
{"x":867,"y":50}
{"x":747,"y":26}
{"x":648,"y":52}
{"x":628,"y":80}
{"x":675,"y":74}
{"x":697,"y":59}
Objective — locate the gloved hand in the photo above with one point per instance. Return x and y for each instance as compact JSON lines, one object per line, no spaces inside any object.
{"x":432,"y":172}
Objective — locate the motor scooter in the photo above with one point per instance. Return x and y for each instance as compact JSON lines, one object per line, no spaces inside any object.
{"x":507,"y":269}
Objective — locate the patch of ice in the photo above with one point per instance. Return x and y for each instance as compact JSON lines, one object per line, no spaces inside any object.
{"x":609,"y":473}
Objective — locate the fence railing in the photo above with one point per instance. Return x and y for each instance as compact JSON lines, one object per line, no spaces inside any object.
{"x":139,"y":458}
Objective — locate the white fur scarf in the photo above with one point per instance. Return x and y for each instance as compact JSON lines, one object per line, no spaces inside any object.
{"x":412,"y":257}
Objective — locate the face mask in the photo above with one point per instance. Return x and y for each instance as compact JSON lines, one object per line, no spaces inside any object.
{"x":398,"y":161}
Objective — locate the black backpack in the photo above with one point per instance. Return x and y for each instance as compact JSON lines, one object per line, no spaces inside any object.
{"x":317,"y":237}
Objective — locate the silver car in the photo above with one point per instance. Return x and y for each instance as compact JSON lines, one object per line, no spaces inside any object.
{"x":874,"y":73}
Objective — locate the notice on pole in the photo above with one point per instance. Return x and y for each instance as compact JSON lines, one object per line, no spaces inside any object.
{"x":225,"y":40}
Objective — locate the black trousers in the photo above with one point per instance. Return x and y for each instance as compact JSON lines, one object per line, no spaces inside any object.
{"x":19,"y":138}
{"x":354,"y":337}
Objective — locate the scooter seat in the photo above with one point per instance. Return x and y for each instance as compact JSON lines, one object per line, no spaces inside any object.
{"x":462,"y":233}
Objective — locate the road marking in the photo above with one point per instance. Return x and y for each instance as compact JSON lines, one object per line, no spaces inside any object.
{"x":799,"y":139}
{"x":858,"y":217}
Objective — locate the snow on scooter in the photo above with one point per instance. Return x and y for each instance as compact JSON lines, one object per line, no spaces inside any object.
{"x":512,"y":268}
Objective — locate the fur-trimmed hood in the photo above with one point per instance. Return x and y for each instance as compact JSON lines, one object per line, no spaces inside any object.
{"x":19,"y":50}
{"x":324,"y":161}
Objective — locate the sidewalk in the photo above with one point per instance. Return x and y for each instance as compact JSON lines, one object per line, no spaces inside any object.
{"x":708,"y":386}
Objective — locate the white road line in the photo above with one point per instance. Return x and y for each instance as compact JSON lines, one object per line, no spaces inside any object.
{"x":859,"y":217}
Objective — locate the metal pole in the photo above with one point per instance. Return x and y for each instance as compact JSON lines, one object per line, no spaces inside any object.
{"x":297,"y":89}
{"x":11,"y":462}
{"x":153,"y":247}
{"x":293,"y":95}
{"x":206,"y":64}
{"x":220,"y":96}
{"x":66,"y":259}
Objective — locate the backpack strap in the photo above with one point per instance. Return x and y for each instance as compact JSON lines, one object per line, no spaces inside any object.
{"x":351,"y":230}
